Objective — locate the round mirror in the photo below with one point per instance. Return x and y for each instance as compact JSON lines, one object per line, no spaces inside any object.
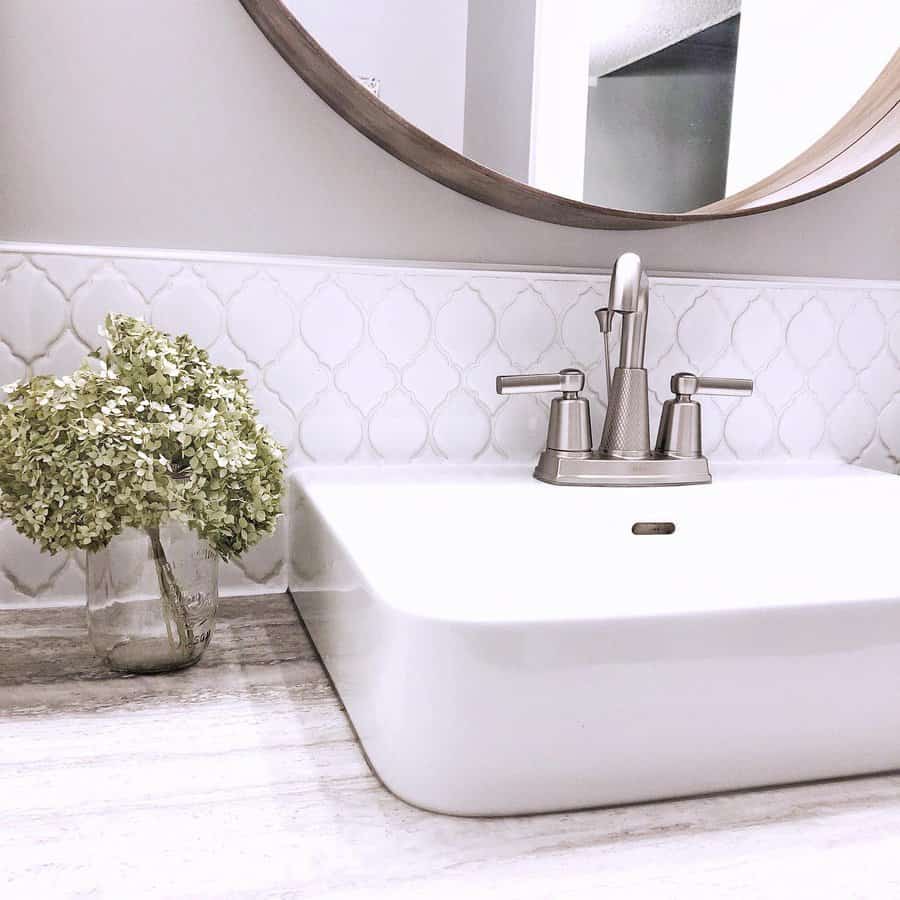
{"x":640,"y":111}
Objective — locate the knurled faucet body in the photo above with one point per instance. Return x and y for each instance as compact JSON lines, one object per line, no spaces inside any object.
{"x":626,"y":429}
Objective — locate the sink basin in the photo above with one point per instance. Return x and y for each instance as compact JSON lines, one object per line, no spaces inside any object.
{"x":503,"y":646}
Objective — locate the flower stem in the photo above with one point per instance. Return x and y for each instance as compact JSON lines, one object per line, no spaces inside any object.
{"x":174,"y":608}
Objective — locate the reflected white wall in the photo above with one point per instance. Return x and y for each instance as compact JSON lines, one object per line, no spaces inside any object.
{"x":416,"y":50}
{"x":801,"y":66}
{"x":562,"y":52}
{"x":499,"y":75}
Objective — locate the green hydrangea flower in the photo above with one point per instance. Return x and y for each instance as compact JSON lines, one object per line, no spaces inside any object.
{"x":149,"y":428}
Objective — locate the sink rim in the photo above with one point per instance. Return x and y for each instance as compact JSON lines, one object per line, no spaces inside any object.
{"x":399,"y":572}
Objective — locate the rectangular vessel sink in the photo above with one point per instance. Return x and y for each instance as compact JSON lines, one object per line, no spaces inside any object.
{"x":503,"y":646}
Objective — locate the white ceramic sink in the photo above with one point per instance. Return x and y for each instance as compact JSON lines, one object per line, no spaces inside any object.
{"x":503,"y":646}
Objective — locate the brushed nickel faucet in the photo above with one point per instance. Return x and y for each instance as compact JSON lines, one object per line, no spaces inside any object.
{"x":624,"y":456}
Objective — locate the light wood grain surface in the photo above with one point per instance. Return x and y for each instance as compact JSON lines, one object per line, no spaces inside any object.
{"x":241,"y":777}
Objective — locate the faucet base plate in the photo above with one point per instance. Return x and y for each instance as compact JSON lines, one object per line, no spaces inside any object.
{"x":594,"y":470}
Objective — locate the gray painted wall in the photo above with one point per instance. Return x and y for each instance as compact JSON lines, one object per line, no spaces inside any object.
{"x":175,"y":124}
{"x":499,"y":77}
{"x":658,"y":130}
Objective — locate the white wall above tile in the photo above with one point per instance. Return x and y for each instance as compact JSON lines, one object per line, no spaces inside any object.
{"x":387,"y":363}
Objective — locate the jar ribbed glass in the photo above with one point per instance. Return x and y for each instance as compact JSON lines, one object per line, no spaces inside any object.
{"x":151,"y":598}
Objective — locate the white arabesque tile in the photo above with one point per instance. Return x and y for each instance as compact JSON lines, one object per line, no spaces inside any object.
{"x":750,"y":429}
{"x":30,"y":569}
{"x":852,"y":425}
{"x":527,"y":328}
{"x":224,"y":279}
{"x":34,"y":311}
{"x":802,"y":426}
{"x":430,"y":377}
{"x":889,"y":426}
{"x":276,"y":416}
{"x":758,"y":335}
{"x":264,"y":562}
{"x":11,"y":368}
{"x":67,"y":273}
{"x":880,"y":380}
{"x":461,"y":427}
{"x":187,"y":305}
{"x":330,"y":323}
{"x":861,"y":334}
{"x":331,"y":430}
{"x":365,"y":378}
{"x":148,"y":276}
{"x":464,"y":326}
{"x":400,"y":325}
{"x":398,"y":428}
{"x":660,"y":340}
{"x":781,"y":380}
{"x":520,"y":428}
{"x":811,"y":333}
{"x":578,"y":330}
{"x":63,"y":356}
{"x":224,"y":353}
{"x":703,"y":332}
{"x":380,"y":363}
{"x":831,"y":379}
{"x":499,"y":291}
{"x":297,"y":377}
{"x":106,"y":291}
{"x":260,"y":320}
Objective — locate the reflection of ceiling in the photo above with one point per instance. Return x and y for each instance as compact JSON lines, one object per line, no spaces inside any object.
{"x":628,"y":30}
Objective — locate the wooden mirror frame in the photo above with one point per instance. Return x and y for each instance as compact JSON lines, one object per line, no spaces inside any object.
{"x":866,"y":136}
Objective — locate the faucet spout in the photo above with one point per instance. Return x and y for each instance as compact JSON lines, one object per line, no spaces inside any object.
{"x":629,"y":291}
{"x":624,"y":282}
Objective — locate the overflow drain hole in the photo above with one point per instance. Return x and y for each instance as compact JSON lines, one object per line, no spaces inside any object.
{"x":653,"y":528}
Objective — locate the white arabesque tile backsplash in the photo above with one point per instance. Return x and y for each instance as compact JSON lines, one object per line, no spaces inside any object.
{"x":384,"y":363}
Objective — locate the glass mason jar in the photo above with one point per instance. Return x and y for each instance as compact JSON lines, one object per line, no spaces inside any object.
{"x":151,"y":598}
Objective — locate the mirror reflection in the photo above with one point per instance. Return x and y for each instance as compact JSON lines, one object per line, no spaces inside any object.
{"x":644,"y":105}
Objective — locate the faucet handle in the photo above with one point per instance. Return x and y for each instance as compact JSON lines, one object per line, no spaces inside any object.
{"x":570,"y":415}
{"x":569,"y":381}
{"x":679,"y":434}
{"x":684,"y":385}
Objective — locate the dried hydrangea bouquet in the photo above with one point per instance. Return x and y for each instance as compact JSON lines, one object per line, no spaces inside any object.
{"x":150,"y":458}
